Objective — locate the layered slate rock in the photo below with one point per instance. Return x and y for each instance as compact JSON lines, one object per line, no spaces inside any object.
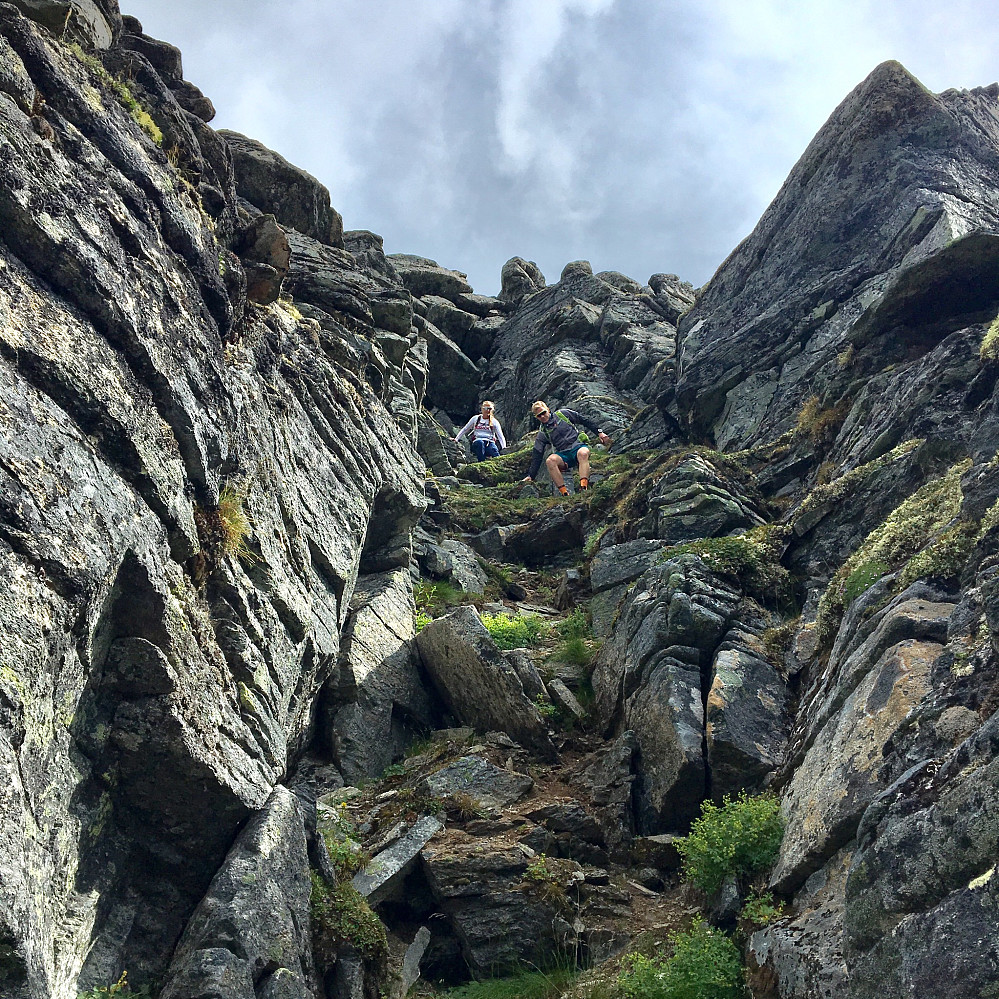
{"x":253,"y":921}
{"x":376,"y":701}
{"x":489,"y":785}
{"x":837,"y":260}
{"x":266,"y":179}
{"x":926,"y":870}
{"x":479,"y":685}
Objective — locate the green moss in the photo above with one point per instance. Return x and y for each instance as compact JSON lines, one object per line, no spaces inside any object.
{"x":341,"y":916}
{"x":833,"y":492}
{"x":926,"y":520}
{"x":122,"y":93}
{"x":513,"y":632}
{"x":753,"y":558}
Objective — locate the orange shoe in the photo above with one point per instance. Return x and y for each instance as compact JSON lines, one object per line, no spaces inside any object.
{"x":584,"y":483}
{"x":563,"y":490}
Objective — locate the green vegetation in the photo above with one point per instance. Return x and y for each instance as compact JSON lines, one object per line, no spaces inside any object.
{"x":760,"y":909}
{"x":777,"y":640}
{"x":341,"y":915}
{"x":739,"y":837}
{"x":528,"y":984}
{"x":234,"y":522}
{"x":753,"y":558}
{"x":989,"y":350}
{"x":820,"y":425}
{"x":122,"y":93}
{"x":120,"y":988}
{"x":704,"y":965}
{"x":433,"y":599}
{"x":513,"y":632}
{"x":921,"y":536}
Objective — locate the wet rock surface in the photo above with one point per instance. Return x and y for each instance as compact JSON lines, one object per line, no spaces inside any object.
{"x":219,"y":539}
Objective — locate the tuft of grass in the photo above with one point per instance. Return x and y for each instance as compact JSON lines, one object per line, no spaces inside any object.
{"x":433,"y":599}
{"x":753,"y":558}
{"x":526,"y":984}
{"x":989,"y":351}
{"x":739,"y":837}
{"x":820,"y":425}
{"x":513,"y":632}
{"x":234,"y":522}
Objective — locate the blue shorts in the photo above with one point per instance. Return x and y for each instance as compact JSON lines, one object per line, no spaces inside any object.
{"x":569,"y":455}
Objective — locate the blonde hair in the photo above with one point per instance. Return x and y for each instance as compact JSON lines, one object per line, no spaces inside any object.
{"x":488,"y":402}
{"x":538,"y":405}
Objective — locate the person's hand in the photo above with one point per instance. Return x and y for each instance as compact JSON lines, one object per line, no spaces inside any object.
{"x":527,"y":478}
{"x":604,"y":439}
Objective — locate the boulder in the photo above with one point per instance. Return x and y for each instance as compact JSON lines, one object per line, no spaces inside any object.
{"x":607,"y":776}
{"x":266,"y":254}
{"x":426,"y":277}
{"x":454,"y":387}
{"x":478,"y":684}
{"x":255,"y":917}
{"x":519,"y":279}
{"x":490,"y":786}
{"x":746,"y":716}
{"x":557,"y":532}
{"x":274,"y":185}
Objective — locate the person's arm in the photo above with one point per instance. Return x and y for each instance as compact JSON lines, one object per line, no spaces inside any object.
{"x":576,"y":417}
{"x":465,"y":429}
{"x":500,"y":439}
{"x":536,"y":455}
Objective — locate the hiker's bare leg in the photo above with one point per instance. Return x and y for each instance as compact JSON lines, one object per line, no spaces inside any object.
{"x":556,"y":466}
{"x":583,"y":457}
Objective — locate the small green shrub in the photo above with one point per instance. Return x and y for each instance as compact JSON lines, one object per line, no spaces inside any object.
{"x":545,"y":707}
{"x":737,"y":837}
{"x":513,"y":632}
{"x":761,"y":909}
{"x":341,"y":915}
{"x":120,"y":988}
{"x":574,"y":652}
{"x":574,"y":625}
{"x":422,"y":620}
{"x":433,"y":599}
{"x":705,"y":965}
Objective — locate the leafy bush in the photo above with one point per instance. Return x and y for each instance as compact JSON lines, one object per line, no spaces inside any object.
{"x":705,"y":965}
{"x":513,"y":632}
{"x":761,"y":909}
{"x":120,"y":988}
{"x":737,"y":837}
{"x":989,"y":350}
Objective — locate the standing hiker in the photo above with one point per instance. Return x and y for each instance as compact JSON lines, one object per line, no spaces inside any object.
{"x":487,"y":434}
{"x":569,"y":446}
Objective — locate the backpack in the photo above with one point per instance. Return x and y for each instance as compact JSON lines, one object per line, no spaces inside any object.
{"x":581,"y":437}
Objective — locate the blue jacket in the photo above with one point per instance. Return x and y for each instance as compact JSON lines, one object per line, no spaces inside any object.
{"x":558,"y":434}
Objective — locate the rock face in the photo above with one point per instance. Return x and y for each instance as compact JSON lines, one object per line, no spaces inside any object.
{"x":218,"y":416}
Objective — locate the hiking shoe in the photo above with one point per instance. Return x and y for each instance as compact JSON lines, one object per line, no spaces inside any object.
{"x":563,"y":490}
{"x":584,"y":483}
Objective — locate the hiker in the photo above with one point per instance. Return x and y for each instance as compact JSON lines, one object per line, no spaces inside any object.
{"x":487,"y":434}
{"x":568,"y":445}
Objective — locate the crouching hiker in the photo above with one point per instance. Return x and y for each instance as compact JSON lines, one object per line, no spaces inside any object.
{"x":487,"y":434}
{"x":569,"y":446}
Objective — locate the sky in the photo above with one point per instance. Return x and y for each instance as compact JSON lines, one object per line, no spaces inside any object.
{"x":645,"y":136}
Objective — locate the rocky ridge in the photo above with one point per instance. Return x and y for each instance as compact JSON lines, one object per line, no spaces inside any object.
{"x":228,"y":482}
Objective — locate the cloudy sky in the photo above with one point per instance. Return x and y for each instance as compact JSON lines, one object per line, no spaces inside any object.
{"x":641,"y":135}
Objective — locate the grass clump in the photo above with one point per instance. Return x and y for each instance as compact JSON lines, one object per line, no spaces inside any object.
{"x":119,"y":988}
{"x":122,"y":93}
{"x":527,"y":984}
{"x":704,"y":965}
{"x":820,"y":425}
{"x":433,"y":599}
{"x":513,"y":632}
{"x":341,"y":916}
{"x":739,"y":837}
{"x":234,"y":522}
{"x":989,"y":351}
{"x":753,"y":558}
{"x":926,"y":520}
